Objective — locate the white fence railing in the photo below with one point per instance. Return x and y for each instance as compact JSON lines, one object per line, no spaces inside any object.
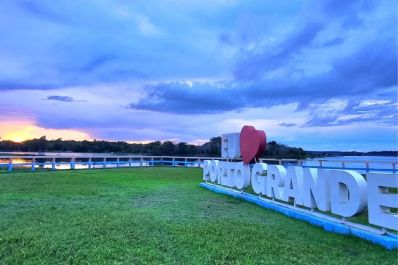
{"x":30,"y":162}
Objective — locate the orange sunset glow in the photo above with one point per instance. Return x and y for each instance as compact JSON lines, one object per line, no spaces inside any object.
{"x":21,"y":131}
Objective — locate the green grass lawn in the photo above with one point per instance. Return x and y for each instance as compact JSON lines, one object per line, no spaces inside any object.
{"x":157,"y":216}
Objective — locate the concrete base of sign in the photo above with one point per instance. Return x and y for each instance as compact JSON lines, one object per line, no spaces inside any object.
{"x":331,"y":224}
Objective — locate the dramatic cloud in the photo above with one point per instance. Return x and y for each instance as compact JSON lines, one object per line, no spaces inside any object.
{"x":190,"y":70}
{"x":190,"y":98}
{"x":378,"y":112}
{"x":371,"y":69}
{"x":57,"y":44}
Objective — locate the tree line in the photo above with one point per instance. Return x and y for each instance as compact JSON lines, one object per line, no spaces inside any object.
{"x":156,"y":148}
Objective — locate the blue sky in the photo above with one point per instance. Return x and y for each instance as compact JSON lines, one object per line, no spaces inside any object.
{"x":321,"y":75}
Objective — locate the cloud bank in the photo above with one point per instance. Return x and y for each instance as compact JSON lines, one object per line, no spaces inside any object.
{"x":167,"y":69}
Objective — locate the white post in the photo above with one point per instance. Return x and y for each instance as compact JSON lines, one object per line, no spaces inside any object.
{"x":33,"y":164}
{"x":72,"y":163}
{"x":10,"y":164}
{"x":53,"y":164}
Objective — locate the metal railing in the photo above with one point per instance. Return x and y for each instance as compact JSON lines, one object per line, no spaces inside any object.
{"x":363,"y":166}
{"x":52,"y":162}
{"x":88,"y":162}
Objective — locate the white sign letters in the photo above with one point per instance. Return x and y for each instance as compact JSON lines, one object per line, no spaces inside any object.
{"x":342,"y":192}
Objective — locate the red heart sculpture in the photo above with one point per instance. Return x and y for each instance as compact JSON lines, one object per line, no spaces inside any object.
{"x":252,"y":143}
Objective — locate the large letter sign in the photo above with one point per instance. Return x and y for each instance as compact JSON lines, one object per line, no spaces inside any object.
{"x":206,"y":170}
{"x":242,"y":176}
{"x":258,"y":178}
{"x":380,"y":201}
{"x":230,"y":146}
{"x":213,"y":171}
{"x":348,"y":192}
{"x":343,"y":193}
{"x":293,"y":185}
{"x":316,"y":189}
{"x":275,"y":181}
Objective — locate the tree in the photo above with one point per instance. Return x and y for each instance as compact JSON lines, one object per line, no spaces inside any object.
{"x":211,"y":148}
{"x":167,"y":148}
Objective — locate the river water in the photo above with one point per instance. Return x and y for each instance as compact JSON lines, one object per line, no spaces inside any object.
{"x":359,"y":163}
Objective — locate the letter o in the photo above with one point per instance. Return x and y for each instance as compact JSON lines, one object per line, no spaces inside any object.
{"x":213,"y":171}
{"x":242,"y":176}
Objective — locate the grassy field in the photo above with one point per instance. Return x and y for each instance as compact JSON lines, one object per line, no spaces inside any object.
{"x":156,"y":216}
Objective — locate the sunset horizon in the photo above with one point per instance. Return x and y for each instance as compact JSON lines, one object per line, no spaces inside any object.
{"x":316,"y":75}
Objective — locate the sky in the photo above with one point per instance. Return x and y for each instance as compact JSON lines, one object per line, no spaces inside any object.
{"x":321,"y":75}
